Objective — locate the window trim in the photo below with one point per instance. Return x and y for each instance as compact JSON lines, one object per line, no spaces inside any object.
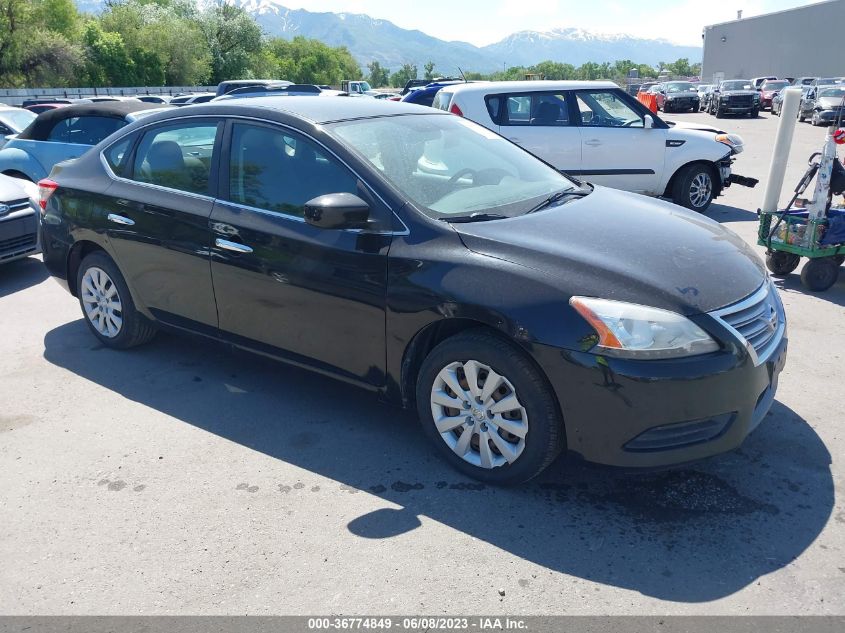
{"x":630,"y":101}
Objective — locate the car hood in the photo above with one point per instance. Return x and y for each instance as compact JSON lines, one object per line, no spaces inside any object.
{"x":699,"y":127}
{"x":12,"y":189}
{"x":627,"y":247}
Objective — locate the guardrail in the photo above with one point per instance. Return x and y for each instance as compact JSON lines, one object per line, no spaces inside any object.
{"x":16,"y":96}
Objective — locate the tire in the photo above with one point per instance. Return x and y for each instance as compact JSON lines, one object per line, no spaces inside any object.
{"x":801,"y":117}
{"x":840,"y":259}
{"x":107,"y":306}
{"x":755,"y":113}
{"x":694,"y":187}
{"x":820,"y":274}
{"x":537,"y":414}
{"x":719,"y":112}
{"x":781,"y":263}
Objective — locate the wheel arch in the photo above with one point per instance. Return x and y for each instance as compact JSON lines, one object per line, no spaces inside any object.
{"x":79,"y":251}
{"x":714,"y":170}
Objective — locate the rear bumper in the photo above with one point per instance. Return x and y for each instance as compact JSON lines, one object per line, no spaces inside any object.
{"x":658,"y":413}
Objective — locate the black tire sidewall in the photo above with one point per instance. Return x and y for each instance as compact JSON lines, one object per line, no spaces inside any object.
{"x":681,"y":190}
{"x":820,"y":274}
{"x":129,"y":314}
{"x":781,"y":264}
{"x":545,"y":437}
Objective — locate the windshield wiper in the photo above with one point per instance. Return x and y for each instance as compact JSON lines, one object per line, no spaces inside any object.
{"x":559,"y":196}
{"x":475,"y":217}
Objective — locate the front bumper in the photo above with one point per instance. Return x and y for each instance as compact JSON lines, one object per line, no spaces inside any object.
{"x":658,"y":413}
{"x":830,"y":116}
{"x":18,"y":236}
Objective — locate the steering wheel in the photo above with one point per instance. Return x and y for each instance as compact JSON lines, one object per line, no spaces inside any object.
{"x":462,"y":172}
{"x":631,"y":122}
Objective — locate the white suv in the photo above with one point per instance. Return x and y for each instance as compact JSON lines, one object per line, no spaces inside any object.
{"x":596,"y":131}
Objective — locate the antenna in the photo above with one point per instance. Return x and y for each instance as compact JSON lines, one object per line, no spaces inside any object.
{"x":462,"y":74}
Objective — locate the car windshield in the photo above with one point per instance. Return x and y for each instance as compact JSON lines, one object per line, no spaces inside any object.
{"x":18,"y":120}
{"x":449,"y":166}
{"x":679,"y":86}
{"x":836,"y":93}
{"x":365,"y":86}
{"x":737,"y":85}
{"x":775,"y":85}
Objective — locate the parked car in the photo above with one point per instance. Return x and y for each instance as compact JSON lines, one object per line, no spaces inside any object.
{"x":193,"y":98}
{"x":498,"y":296}
{"x":735,"y":96}
{"x":389,"y":96}
{"x":424,"y":95}
{"x":64,"y":133}
{"x":768,"y":90}
{"x":232,"y":84}
{"x":823,"y":105}
{"x":18,"y":220}
{"x":614,"y":140}
{"x":160,"y":99}
{"x":827,"y":81}
{"x":777,"y":102}
{"x":677,"y":96}
{"x":803,"y":81}
{"x":647,"y":86}
{"x":758,"y":82}
{"x":13,"y":121}
{"x":282,"y":90}
{"x":38,"y":108}
{"x":704,"y":93}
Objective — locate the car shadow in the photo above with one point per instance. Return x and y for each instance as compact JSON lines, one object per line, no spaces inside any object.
{"x":727,"y":213}
{"x":690,"y":534}
{"x":21,"y":274}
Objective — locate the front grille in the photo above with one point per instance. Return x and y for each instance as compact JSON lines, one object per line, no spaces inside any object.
{"x":15,"y":205}
{"x":758,"y":321}
{"x":740,"y":100}
{"x":18,"y":243}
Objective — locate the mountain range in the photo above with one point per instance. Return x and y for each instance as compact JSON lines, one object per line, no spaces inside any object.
{"x":371,"y":39}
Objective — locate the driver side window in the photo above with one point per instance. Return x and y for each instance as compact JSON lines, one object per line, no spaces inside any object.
{"x":604,"y":108}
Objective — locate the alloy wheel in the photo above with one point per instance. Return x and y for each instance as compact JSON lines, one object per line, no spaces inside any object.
{"x":700,"y":190}
{"x":101,"y":302}
{"x":478,"y":414}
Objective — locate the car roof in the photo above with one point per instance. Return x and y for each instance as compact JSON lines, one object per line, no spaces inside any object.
{"x":527,"y":86}
{"x":43,"y":124}
{"x":317,"y":111}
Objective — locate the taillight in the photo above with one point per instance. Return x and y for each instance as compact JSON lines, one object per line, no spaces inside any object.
{"x":456,"y":110}
{"x":46,"y":187}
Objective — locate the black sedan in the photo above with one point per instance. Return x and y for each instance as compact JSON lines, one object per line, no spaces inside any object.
{"x":429,"y":260}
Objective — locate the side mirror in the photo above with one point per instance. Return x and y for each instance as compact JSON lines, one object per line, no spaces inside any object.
{"x":337,"y":211}
{"x":648,"y":122}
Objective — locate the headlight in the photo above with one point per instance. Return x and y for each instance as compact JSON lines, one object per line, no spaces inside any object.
{"x":756,"y":97}
{"x":734,"y":141}
{"x":725,"y":98}
{"x":628,"y":330}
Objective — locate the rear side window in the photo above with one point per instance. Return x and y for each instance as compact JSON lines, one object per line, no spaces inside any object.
{"x":84,"y":130}
{"x":280,"y":171}
{"x":177,"y":157}
{"x":117,"y":156}
{"x":536,"y":109}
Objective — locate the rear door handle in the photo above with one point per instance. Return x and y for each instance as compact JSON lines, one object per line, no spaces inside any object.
{"x":232,"y":246}
{"x":119,"y":219}
{"x":593,"y":142}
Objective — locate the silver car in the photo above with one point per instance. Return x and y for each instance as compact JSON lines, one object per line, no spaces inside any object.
{"x":18,"y":220}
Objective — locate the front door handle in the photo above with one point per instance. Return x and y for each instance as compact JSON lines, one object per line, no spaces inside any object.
{"x":119,"y":219}
{"x":232,"y":246}
{"x":593,"y":142}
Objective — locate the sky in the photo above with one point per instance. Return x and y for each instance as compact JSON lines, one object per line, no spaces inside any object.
{"x":482,"y":22}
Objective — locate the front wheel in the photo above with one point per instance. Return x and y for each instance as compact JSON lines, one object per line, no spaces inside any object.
{"x":781,"y":263}
{"x":107,"y":305}
{"x":755,"y":113}
{"x":820,"y":274}
{"x":488,"y":409}
{"x":694,"y":187}
{"x":719,"y":113}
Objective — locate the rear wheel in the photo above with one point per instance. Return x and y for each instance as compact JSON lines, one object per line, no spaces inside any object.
{"x":107,"y":305}
{"x":820,"y":274}
{"x":694,"y":187}
{"x":781,"y":263}
{"x":488,"y":409}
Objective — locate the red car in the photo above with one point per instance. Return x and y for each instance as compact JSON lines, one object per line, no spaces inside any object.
{"x":768,"y":90}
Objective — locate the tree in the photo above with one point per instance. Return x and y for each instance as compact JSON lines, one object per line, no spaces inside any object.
{"x":302,"y":60}
{"x":403,"y":75}
{"x":429,"y":70}
{"x":378,"y":76}
{"x":680,"y":68}
{"x":233,"y":38}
